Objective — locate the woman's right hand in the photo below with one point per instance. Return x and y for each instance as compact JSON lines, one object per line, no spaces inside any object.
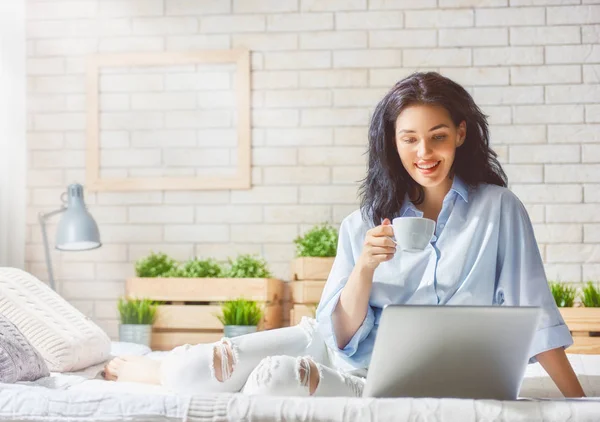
{"x":378,"y":246}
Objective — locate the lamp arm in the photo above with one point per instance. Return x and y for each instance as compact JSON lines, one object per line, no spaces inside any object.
{"x":42,"y":219}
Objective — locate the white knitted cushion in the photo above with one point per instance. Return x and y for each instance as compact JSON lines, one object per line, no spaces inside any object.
{"x":66,"y":339}
{"x":19,"y":361}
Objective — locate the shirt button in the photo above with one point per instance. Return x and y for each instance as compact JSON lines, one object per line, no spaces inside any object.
{"x":441,"y":226}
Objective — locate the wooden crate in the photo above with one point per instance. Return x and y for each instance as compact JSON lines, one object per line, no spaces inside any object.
{"x":189,"y":315}
{"x":309,"y":268}
{"x":584,"y":324}
{"x":305,"y":296}
{"x":299,"y":311}
{"x":306,"y":291}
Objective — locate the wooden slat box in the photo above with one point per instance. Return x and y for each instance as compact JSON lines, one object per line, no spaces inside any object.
{"x":584,"y":324}
{"x":189,"y":315}
{"x":309,"y":268}
{"x":299,"y":311}
{"x":306,"y":291}
{"x":305,"y":296}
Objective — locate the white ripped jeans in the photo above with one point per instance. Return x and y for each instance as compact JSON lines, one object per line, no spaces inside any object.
{"x":273,"y":362}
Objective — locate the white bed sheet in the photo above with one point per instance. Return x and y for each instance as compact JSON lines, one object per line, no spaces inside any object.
{"x":537,"y":383}
{"x":34,"y":403}
{"x":277,"y":409}
{"x":84,"y":396}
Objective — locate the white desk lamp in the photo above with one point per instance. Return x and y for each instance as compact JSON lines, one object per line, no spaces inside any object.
{"x":77,"y":230}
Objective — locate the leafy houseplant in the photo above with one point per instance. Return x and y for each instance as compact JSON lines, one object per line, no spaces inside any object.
{"x":202,"y":268}
{"x":137,"y":317}
{"x":243,"y":266}
{"x":248,"y":266}
{"x":591,"y":296}
{"x":155,"y":265}
{"x":196,"y":285}
{"x":564,"y":294}
{"x":240,"y":316}
{"x":320,"y":241}
{"x":315,"y":253}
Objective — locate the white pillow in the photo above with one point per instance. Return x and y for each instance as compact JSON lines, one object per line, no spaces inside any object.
{"x":120,"y":348}
{"x":67,"y":340}
{"x":19,"y":361}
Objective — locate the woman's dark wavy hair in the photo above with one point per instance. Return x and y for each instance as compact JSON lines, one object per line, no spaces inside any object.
{"x":383,"y":190}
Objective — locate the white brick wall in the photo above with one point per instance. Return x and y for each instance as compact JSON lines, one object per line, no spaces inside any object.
{"x":318,"y":69}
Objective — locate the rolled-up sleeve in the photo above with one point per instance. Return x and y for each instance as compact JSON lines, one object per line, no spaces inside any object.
{"x":521,"y":279}
{"x":338,"y":277}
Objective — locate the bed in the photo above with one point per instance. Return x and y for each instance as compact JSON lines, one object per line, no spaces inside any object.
{"x":84,"y":396}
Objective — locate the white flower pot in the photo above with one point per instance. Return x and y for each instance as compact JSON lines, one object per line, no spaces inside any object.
{"x":135,"y":333}
{"x":238,"y":330}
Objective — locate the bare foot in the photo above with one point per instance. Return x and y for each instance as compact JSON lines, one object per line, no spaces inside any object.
{"x":133,"y":369}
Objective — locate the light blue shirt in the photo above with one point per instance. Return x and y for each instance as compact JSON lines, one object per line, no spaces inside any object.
{"x":483,"y":252}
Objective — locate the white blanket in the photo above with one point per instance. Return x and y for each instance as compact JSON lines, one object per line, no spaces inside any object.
{"x":83,"y":396}
{"x":33,"y":403}
{"x":266,"y":409}
{"x":537,"y":384}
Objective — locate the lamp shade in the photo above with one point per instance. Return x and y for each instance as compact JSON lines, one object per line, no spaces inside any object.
{"x":77,"y":230}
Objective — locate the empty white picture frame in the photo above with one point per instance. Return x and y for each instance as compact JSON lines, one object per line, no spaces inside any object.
{"x":238,"y":178}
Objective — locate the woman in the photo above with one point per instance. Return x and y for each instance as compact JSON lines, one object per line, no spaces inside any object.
{"x":429,"y":157}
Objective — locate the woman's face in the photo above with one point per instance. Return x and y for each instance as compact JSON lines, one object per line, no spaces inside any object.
{"x":427,"y":139}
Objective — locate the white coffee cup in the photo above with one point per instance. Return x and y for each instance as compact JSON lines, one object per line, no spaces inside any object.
{"x":413,"y":233}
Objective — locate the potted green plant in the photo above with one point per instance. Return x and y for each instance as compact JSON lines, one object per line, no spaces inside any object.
{"x":591,"y":296}
{"x":582,"y":318}
{"x":156,"y":265}
{"x":247,"y":266}
{"x":315,"y":252}
{"x":563,"y":293}
{"x":200,"y":268}
{"x":137,"y":317}
{"x":591,"y":306}
{"x":240,"y":316}
{"x":196,"y":268}
{"x":191,"y":293}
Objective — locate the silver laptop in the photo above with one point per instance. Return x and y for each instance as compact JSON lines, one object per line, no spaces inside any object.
{"x":476,"y":352}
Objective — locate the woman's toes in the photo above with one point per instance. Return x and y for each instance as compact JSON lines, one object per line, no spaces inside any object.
{"x":133,"y":369}
{"x":113,"y":368}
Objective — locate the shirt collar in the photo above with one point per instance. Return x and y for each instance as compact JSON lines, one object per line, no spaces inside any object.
{"x":458,"y":186}
{"x":408,"y":206}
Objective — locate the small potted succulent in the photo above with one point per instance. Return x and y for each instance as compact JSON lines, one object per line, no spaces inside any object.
{"x":240,"y":316}
{"x":315,"y":252}
{"x":137,"y":317}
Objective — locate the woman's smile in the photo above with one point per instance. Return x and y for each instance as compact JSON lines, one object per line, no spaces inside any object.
{"x":427,"y":167}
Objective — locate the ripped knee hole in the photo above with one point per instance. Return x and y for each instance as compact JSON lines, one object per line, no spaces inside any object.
{"x":308,"y":374}
{"x":224,"y":360}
